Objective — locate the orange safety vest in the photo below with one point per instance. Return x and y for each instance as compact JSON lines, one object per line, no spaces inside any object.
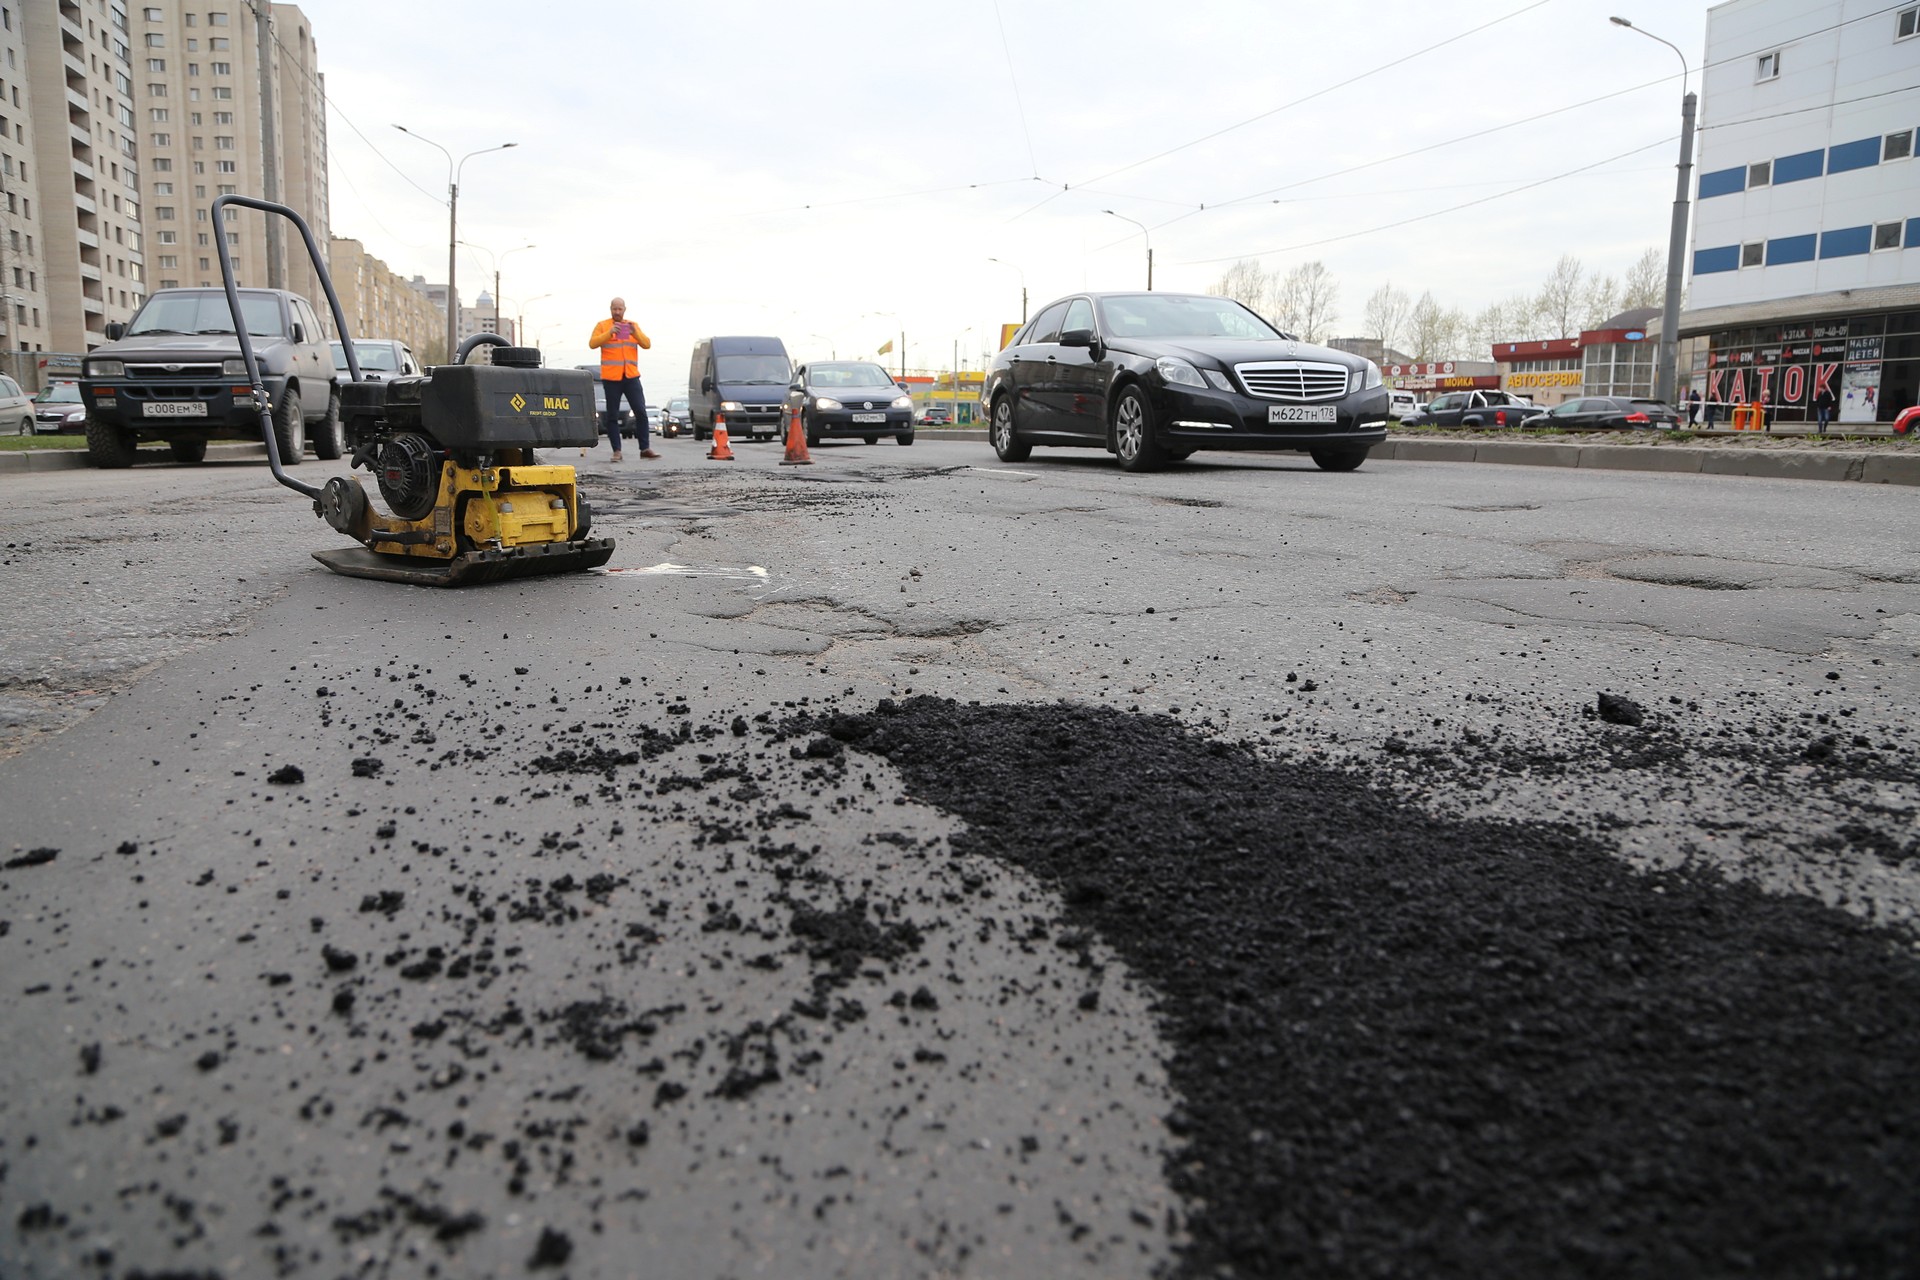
{"x":619,"y":357}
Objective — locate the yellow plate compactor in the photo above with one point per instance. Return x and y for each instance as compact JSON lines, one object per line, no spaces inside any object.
{"x":453,"y":454}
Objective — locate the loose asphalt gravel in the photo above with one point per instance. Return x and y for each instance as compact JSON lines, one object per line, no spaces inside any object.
{"x":933,"y":986}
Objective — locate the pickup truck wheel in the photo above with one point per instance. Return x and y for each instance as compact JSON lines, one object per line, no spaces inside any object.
{"x":290,"y":429}
{"x":331,"y":440}
{"x":188,"y":451}
{"x":1133,"y":441}
{"x":108,"y":446}
{"x":1007,"y":446}
{"x":1338,"y":459}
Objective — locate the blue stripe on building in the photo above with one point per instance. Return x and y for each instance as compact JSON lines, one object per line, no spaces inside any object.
{"x":1708,"y":261}
{"x":1790,"y":249}
{"x":1913,"y":233}
{"x":1846,"y":242}
{"x":1798,"y":168}
{"x":1863,"y":154}
{"x":1723,"y":182}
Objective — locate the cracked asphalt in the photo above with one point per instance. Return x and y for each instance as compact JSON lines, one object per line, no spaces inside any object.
{"x":561,"y":939}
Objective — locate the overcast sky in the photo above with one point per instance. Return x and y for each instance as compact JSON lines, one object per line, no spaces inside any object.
{"x":836,"y":173}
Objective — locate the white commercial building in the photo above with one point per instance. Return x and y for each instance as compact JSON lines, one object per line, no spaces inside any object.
{"x":1806,"y":220}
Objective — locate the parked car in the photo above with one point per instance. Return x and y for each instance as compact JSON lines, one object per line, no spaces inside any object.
{"x":936,"y":415}
{"x":1908,"y":423}
{"x":1607,"y":412}
{"x":174,"y":372}
{"x":1402,"y":405}
{"x":850,"y":398}
{"x":1152,"y":377}
{"x":673,"y":419}
{"x":744,"y":378}
{"x":1473,"y":409}
{"x":379,"y":359}
{"x":600,"y":403}
{"x":16,"y":408}
{"x":655,"y":419}
{"x":58,"y":408}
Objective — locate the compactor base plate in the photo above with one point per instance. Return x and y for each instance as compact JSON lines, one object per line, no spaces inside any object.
{"x":471,"y":567}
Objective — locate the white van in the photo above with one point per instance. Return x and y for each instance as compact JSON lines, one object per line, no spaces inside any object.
{"x":1401,"y":404}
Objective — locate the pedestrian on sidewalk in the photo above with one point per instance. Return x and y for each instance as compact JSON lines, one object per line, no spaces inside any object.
{"x":1823,"y":406}
{"x":1693,"y":406}
{"x":619,"y":341}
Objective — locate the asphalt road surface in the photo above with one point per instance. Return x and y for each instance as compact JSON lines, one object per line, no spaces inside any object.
{"x":918,"y":865}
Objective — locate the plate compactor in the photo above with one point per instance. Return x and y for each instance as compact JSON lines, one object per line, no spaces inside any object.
{"x":453,"y":454}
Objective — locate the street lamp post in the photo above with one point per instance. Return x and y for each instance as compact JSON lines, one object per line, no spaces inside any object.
{"x":1023,"y":287}
{"x":954,"y":376}
{"x":453,"y":207}
{"x":496,"y":279}
{"x":1665,"y":383}
{"x":520,"y":318}
{"x":1149,"y":239}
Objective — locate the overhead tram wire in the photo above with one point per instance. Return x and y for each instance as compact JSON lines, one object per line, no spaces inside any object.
{"x":1019,"y":103}
{"x":1288,"y":106}
{"x":1436,"y":213}
{"x":1529,"y":119}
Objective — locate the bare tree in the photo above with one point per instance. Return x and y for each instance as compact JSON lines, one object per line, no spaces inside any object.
{"x":1599,"y":301}
{"x":1387,"y":312}
{"x":1562,"y":298}
{"x":1307,"y":299}
{"x":1427,"y":329}
{"x":1646,"y":282}
{"x":1247,"y":282}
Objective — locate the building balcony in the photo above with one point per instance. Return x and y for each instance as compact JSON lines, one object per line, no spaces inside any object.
{"x":92,"y":306}
{"x":78,"y":101}
{"x":85,"y":204}
{"x":86,"y":238}
{"x":76,"y":65}
{"x":88,"y":271}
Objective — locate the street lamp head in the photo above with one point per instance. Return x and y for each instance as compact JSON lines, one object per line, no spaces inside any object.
{"x":1619,"y":22}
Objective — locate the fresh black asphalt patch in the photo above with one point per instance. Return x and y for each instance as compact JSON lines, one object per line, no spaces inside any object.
{"x":1421,"y":1047}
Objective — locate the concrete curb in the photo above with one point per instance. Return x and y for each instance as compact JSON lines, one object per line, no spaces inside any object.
{"x":1762,"y":464}
{"x":36,"y":460}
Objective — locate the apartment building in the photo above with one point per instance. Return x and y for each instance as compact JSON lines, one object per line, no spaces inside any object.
{"x":71,"y":157}
{"x":199,"y":107}
{"x":381,"y":304}
{"x":1806,"y":221}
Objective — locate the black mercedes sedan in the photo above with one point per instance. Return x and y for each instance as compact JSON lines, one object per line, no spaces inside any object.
{"x":850,"y":398}
{"x":1152,"y":377}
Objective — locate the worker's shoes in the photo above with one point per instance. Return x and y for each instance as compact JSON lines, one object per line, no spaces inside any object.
{"x":648,"y":453}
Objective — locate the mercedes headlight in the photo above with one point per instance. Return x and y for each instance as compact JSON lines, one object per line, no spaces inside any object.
{"x":1368,"y":378}
{"x":106,"y":368}
{"x":825,"y":402}
{"x":1181,"y":372}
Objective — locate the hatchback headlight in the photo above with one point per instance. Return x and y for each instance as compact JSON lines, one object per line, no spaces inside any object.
{"x":825,"y":402}
{"x":902,"y":402}
{"x":1368,"y":378}
{"x":234,"y":368}
{"x":1182,"y":372}
{"x":76,"y":415}
{"x":107,"y":368}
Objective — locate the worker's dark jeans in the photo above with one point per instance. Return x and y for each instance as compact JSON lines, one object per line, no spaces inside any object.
{"x":610,"y":420}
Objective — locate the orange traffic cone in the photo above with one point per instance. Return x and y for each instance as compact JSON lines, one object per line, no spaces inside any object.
{"x":796,"y":441}
{"x":720,"y":452}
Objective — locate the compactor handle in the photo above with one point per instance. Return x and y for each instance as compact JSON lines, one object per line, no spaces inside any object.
{"x":246,"y":343}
